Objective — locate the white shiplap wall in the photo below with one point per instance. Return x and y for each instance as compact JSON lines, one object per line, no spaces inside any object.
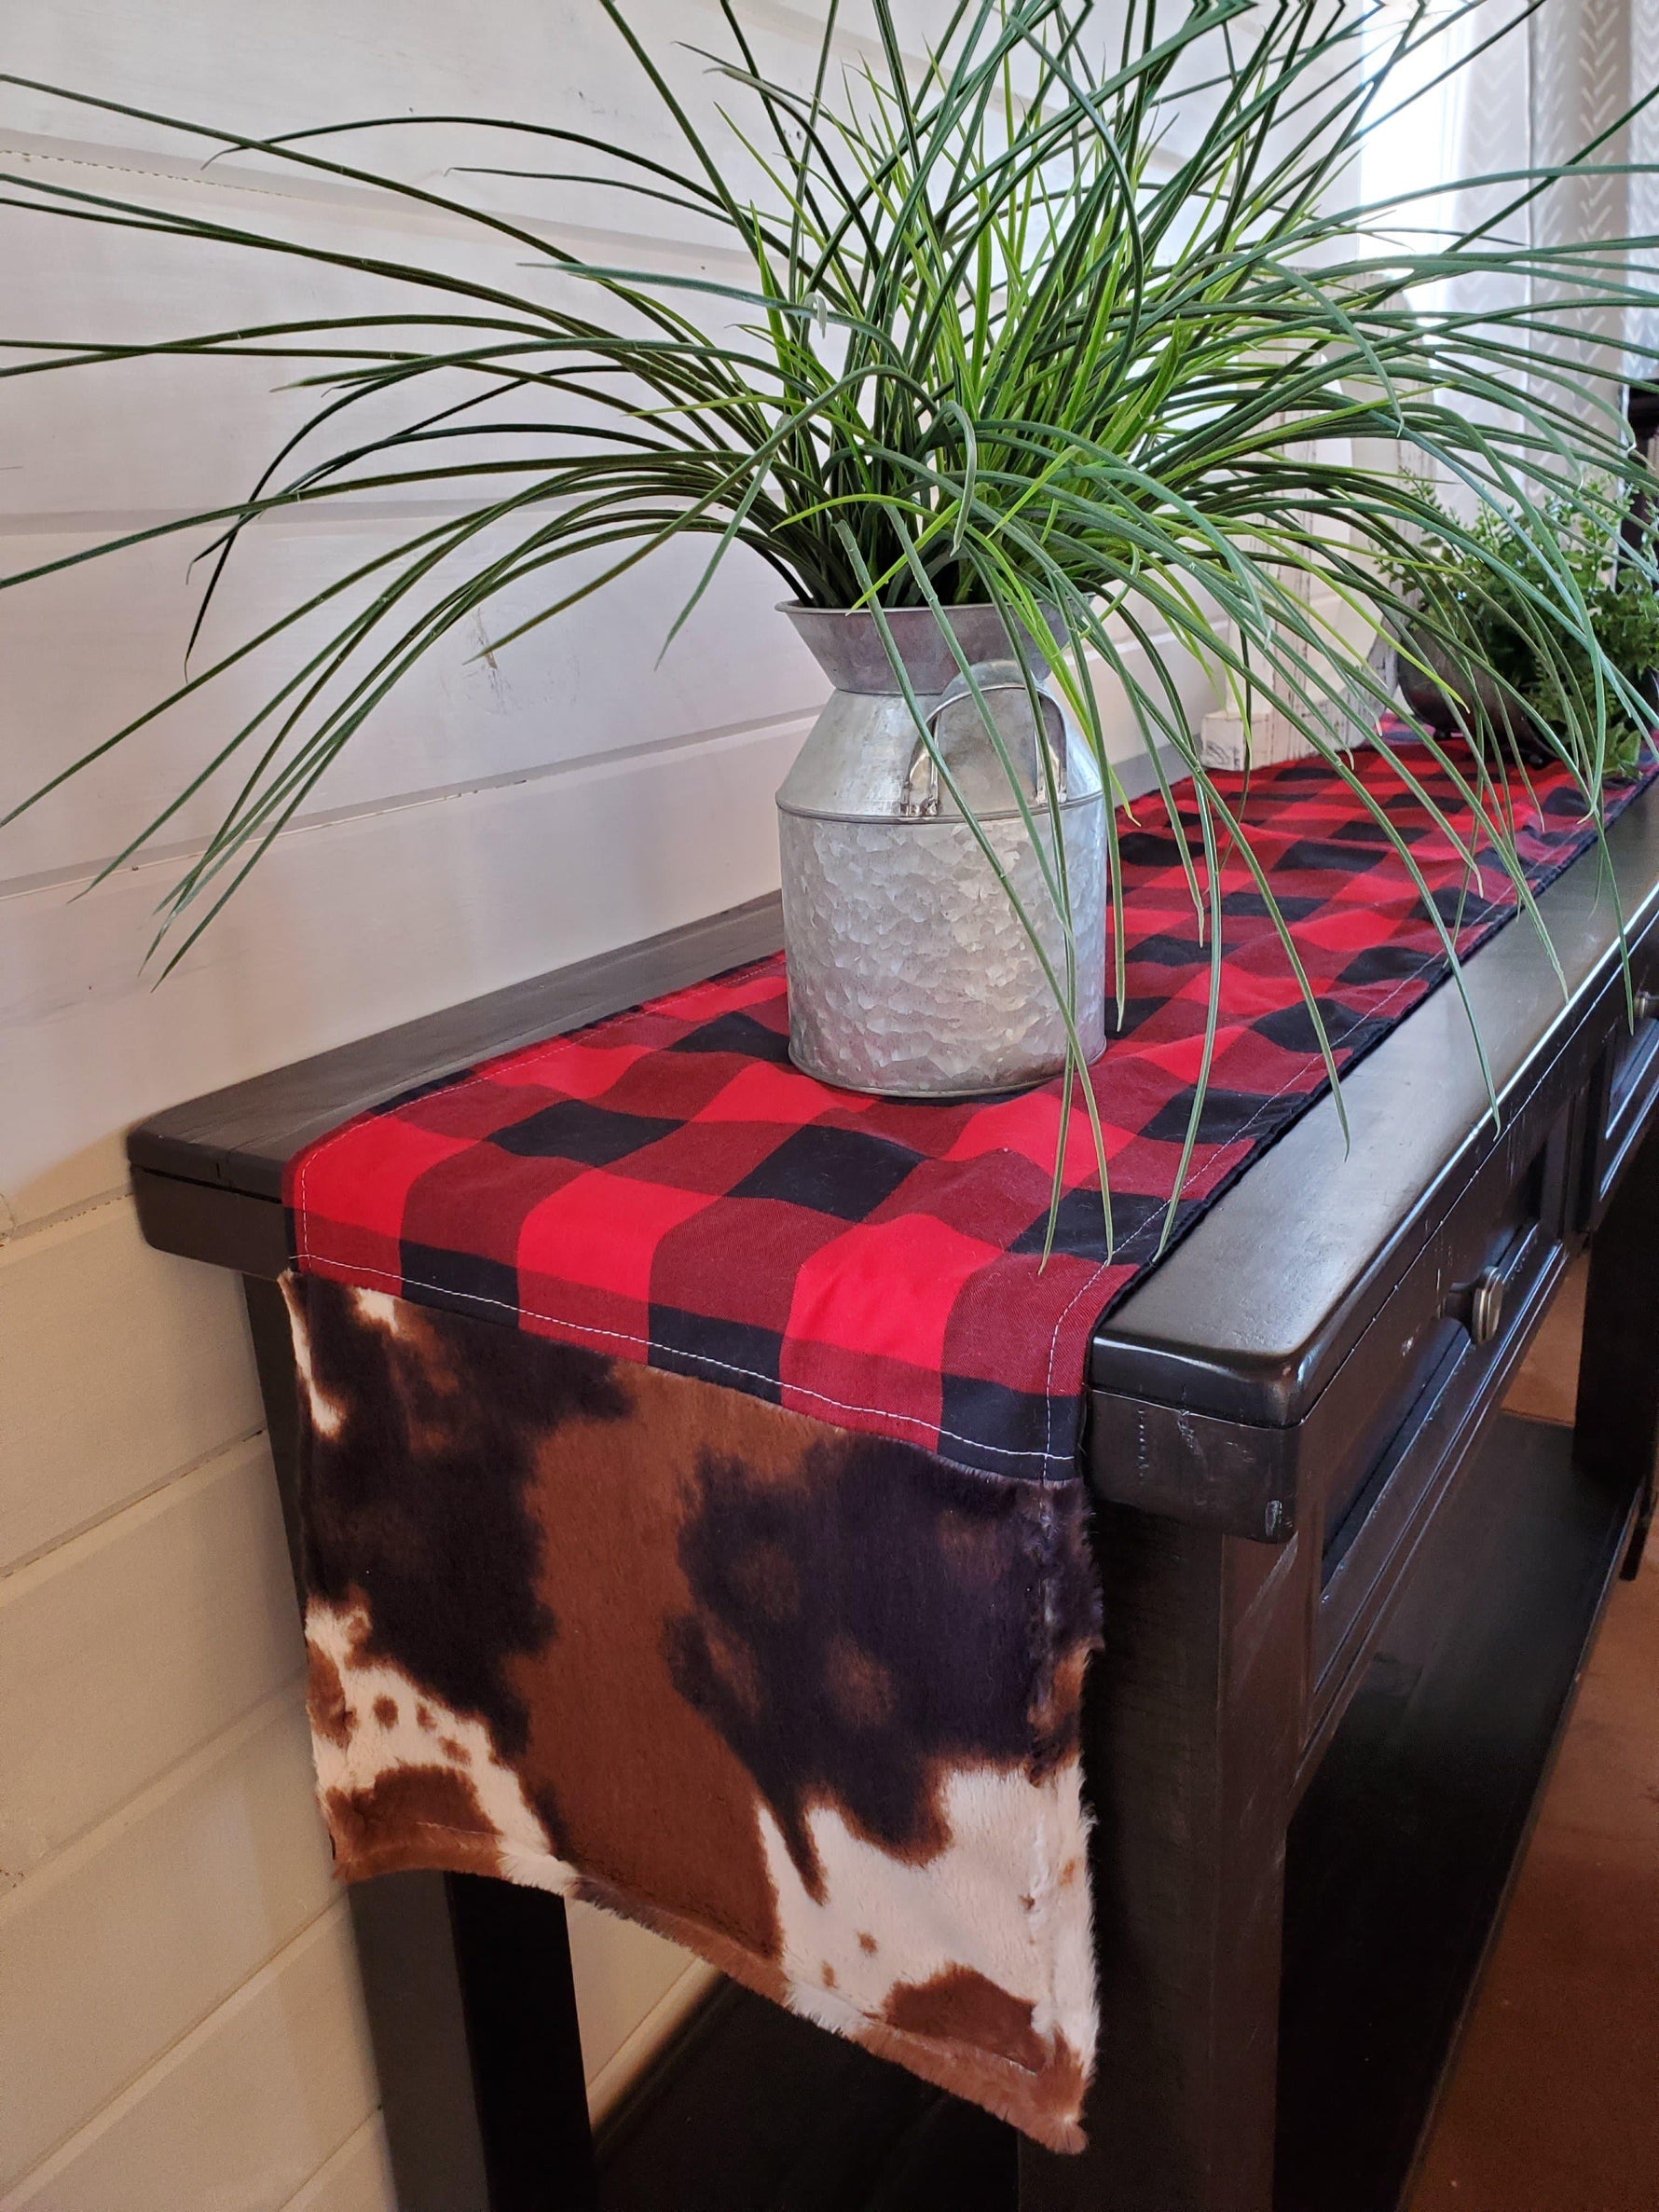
{"x":181,"y":2027}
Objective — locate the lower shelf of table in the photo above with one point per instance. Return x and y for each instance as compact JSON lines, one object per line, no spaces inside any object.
{"x":1399,"y":1857}
{"x":754,"y":2111}
{"x":1401,"y":1850}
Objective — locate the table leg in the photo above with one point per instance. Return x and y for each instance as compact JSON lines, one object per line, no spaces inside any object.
{"x":467,"y":1986}
{"x":1617,"y":1424}
{"x":1193,"y":1722}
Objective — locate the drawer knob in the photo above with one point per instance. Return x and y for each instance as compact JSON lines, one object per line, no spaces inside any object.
{"x":1479,"y":1305}
{"x":1646,"y":1005}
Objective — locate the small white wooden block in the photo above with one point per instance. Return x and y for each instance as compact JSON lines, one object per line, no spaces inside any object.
{"x":1227,"y":741}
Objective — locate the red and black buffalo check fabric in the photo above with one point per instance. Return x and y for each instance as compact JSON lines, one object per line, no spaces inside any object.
{"x":666,"y":1187}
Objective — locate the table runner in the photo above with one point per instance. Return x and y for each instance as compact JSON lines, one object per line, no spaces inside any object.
{"x":740,"y":1581}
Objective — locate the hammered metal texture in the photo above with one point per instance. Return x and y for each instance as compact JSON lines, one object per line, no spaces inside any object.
{"x":909,"y":972}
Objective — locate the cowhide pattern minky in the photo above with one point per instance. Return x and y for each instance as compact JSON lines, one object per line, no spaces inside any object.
{"x":805,"y":1701}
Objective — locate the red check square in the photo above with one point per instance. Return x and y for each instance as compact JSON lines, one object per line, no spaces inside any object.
{"x":603,"y":1231}
{"x":886,"y":1288}
{"x":365,"y":1179}
{"x":859,"y":1390}
{"x":763,"y":1091}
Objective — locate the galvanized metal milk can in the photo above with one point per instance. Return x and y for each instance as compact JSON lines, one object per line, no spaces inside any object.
{"x":909,"y":972}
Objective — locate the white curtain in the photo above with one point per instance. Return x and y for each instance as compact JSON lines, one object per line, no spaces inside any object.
{"x":1552,"y":86}
{"x":1644,"y":148}
{"x":1543,"y":89}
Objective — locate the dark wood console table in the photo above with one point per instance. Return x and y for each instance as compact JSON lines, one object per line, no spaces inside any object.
{"x":1346,"y":1601}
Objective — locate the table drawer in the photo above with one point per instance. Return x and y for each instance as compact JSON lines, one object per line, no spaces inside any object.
{"x":1267,"y":1482}
{"x":1458,"y":1308}
{"x":1456,"y":1326}
{"x":1625,"y":1089}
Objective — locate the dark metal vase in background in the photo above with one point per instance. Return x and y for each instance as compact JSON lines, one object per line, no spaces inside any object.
{"x":1441,"y":693}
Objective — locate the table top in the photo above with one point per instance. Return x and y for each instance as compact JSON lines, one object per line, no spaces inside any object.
{"x":1253,"y":1313}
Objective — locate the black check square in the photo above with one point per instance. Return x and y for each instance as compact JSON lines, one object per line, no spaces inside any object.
{"x":737,"y":1352}
{"x":1250,"y":906}
{"x":1079,"y":1227}
{"x":1022,"y":1421}
{"x":1318,"y":855}
{"x":1460,"y":906}
{"x":736,"y":1033}
{"x":465,"y":1281}
{"x":1388,"y":964}
{"x":1292,"y":1028}
{"x":1224,"y":1117}
{"x":576,"y":1128}
{"x":843,"y":1172}
{"x":1138,"y":1220}
{"x":1166,"y":950}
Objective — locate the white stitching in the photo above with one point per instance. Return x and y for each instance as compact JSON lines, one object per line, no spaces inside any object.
{"x":1431,"y":958}
{"x":622,"y":1336}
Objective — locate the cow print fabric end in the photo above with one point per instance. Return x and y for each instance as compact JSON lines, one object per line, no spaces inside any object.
{"x":804,"y":1700}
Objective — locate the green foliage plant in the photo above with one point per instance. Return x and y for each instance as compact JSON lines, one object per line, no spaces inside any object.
{"x":1081,"y":310}
{"x":1542,"y":681}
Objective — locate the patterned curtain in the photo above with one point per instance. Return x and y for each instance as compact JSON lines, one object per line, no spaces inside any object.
{"x":1644,"y":48}
{"x":1548,"y":86}
{"x":1557,"y":82}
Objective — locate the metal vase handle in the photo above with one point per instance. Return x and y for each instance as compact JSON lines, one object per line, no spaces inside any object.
{"x":919,"y":797}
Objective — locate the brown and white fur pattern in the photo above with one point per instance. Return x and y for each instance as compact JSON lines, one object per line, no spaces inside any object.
{"x":806,"y":1702}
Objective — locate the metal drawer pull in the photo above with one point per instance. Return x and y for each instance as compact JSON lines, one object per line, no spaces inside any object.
{"x":1478,"y":1305}
{"x":1646,"y":1005}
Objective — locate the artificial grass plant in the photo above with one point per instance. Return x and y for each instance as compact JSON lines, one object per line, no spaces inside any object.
{"x":1079,"y":312}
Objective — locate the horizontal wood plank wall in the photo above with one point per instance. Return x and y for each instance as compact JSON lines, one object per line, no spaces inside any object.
{"x":357,"y":2179}
{"x":181,"y":2026}
{"x":271,"y":2086}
